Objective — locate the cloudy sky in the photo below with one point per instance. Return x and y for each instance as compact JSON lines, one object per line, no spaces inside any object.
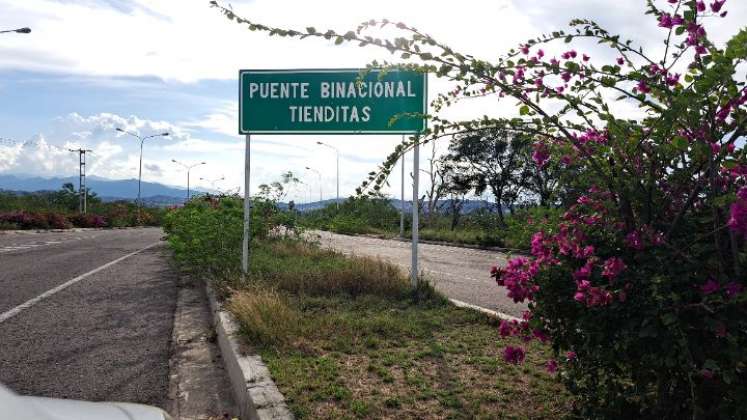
{"x":150,"y":66}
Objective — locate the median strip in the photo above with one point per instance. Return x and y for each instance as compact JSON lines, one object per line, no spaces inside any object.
{"x":31,"y":302}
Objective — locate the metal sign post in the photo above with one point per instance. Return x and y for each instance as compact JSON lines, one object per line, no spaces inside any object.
{"x":415,"y":211}
{"x":247,"y":208}
{"x":402,"y":199}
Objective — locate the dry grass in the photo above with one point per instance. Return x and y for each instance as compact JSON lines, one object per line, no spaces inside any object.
{"x":265,"y":316}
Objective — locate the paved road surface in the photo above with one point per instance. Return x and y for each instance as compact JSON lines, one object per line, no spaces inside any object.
{"x":459,"y":273}
{"x":105,"y":337}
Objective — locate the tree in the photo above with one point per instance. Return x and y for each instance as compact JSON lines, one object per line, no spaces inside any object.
{"x":491,"y":160}
{"x":457,"y":189}
{"x":437,"y":189}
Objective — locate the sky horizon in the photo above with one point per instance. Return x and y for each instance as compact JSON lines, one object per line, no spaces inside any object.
{"x":91,"y":66}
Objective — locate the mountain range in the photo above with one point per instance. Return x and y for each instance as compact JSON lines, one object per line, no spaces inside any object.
{"x":157,"y":194}
{"x":108,"y":189}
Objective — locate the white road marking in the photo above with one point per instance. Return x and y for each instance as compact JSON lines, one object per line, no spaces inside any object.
{"x":22,"y":307}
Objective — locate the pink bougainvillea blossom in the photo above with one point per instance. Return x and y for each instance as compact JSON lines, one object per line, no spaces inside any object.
{"x":717,"y":5}
{"x":733,"y":289}
{"x":541,"y":154}
{"x":513,"y":355}
{"x":710,"y":287}
{"x":613,"y":267}
{"x":551,"y":366}
{"x":738,"y":213}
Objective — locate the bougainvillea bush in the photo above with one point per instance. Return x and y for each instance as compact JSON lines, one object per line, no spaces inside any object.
{"x":640,"y":288}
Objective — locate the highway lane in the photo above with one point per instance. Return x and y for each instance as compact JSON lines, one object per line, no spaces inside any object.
{"x":105,"y":337}
{"x":459,"y":273}
{"x":31,"y":264}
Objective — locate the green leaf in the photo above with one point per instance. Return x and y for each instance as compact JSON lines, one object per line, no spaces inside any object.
{"x":524,"y":110}
{"x":339,"y":40}
{"x":680,"y":143}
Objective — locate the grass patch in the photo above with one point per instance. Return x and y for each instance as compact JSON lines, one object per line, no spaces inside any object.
{"x":461,"y":236}
{"x":346,"y":338}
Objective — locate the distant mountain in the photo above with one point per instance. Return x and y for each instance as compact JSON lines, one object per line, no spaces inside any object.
{"x":107,"y":189}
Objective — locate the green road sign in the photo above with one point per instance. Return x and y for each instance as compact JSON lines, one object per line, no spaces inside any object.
{"x":334,"y":101}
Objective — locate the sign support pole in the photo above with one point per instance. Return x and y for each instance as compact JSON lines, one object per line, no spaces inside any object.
{"x":247,"y":209}
{"x":402,"y":198}
{"x":415,"y":210}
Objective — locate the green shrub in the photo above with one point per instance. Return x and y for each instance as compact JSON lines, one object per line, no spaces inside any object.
{"x":526,"y":222}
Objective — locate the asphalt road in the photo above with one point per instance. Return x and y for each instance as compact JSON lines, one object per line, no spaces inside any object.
{"x":459,"y":273}
{"x":107,"y":335}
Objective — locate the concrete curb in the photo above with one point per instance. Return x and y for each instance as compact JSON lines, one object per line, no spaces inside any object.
{"x":486,"y":311}
{"x":255,"y":393}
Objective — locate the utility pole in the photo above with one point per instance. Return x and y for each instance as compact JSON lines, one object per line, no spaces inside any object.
{"x":82,"y":191}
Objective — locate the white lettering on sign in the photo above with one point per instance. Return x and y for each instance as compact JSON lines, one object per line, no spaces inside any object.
{"x":327,"y":114}
{"x":331,"y":90}
{"x":279,"y":90}
{"x":343,"y":90}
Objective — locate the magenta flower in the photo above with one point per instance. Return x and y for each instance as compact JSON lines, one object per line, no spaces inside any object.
{"x":701,"y":6}
{"x":677,"y":20}
{"x":738,"y":213}
{"x":620,"y":60}
{"x":613,"y":267}
{"x":733,"y":289}
{"x":710,"y":287}
{"x":513,"y":355}
{"x":665,"y":21}
{"x":717,"y":5}
{"x":633,"y":240}
{"x":586,"y":57}
{"x":643,"y":87}
{"x":524,"y":49}
{"x":706,"y":374}
{"x":541,"y":154}
{"x":505,"y":329}
{"x":571,"y":356}
{"x":551,"y":366}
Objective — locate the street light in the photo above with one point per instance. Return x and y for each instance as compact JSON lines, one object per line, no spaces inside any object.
{"x":320,"y":182}
{"x":213,"y":181}
{"x":188,"y":168}
{"x":140,"y":170}
{"x":18,"y":31}
{"x":337,"y":151}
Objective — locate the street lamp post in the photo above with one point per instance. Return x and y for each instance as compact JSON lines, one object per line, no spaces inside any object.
{"x":213,"y":182}
{"x":188,"y":168}
{"x":140,"y":170}
{"x":337,"y":152}
{"x":18,"y":31}
{"x":319,"y":174}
